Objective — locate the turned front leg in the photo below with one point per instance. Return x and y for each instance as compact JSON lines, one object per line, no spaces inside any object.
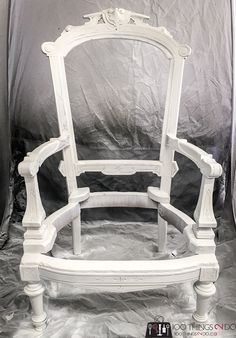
{"x":205,"y":291}
{"x":39,"y":316}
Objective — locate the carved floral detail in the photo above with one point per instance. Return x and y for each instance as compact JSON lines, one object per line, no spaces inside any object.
{"x":116,"y":17}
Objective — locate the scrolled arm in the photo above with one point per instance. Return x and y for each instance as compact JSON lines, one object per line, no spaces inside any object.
{"x":210,"y":169}
{"x":32,"y":162}
{"x":205,"y":162}
{"x":28,"y":168}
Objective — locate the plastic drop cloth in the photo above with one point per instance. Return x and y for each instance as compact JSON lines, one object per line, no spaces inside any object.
{"x":74,"y":312}
{"x":117,"y":93}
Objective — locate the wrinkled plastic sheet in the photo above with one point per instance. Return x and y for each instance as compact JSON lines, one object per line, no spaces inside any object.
{"x":75,"y":312}
{"x":117,"y":93}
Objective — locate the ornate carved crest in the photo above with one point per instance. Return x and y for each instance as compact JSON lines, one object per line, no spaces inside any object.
{"x":116,"y":17}
{"x":110,"y":20}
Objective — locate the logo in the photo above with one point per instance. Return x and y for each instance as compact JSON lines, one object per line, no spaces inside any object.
{"x":159,"y":328}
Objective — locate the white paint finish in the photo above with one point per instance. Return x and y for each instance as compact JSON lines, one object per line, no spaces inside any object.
{"x":32,"y":162}
{"x":205,"y":162}
{"x":44,"y":244}
{"x":28,"y":168}
{"x":105,"y":25}
{"x":170,"y":121}
{"x":116,"y":17}
{"x":204,"y":292}
{"x":203,"y":232}
{"x":196,"y":245}
{"x":42,"y":239}
{"x":162,"y":234}
{"x":41,"y":232}
{"x":158,"y":195}
{"x":29,"y":271}
{"x":125,"y":273}
{"x":174,"y":216}
{"x":76,"y":235}
{"x":204,"y":214}
{"x":63,"y":216}
{"x":35,"y":293}
{"x":119,"y":199}
{"x":111,"y":24}
{"x":116,"y":167}
{"x":209,"y":274}
{"x":64,"y":119}
{"x":79,"y":195}
{"x":34,"y":213}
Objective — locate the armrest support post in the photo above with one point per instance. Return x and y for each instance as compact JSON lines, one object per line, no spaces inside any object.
{"x":204,"y":214}
{"x":28,"y":168}
{"x":210,"y":169}
{"x":34,"y":213}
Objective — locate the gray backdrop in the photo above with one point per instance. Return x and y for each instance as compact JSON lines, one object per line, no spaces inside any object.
{"x":117,"y":92}
{"x":5,"y":140}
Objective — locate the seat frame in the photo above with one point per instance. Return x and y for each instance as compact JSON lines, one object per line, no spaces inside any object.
{"x":41,"y":231}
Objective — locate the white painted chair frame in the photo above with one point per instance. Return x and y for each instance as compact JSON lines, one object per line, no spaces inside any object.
{"x":41,"y":231}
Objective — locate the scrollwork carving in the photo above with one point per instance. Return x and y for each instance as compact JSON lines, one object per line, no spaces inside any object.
{"x":184,"y":51}
{"x":116,"y":17}
{"x":48,"y":47}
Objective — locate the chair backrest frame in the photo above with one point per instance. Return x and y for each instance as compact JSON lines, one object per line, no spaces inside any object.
{"x":116,"y":24}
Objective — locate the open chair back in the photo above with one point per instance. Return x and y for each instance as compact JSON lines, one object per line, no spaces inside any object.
{"x":117,"y":24}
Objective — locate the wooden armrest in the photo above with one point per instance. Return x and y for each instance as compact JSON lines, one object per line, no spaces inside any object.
{"x":174,"y":216}
{"x":32,"y":162}
{"x":205,"y":162}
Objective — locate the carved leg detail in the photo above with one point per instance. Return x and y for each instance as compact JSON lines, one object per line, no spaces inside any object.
{"x":39,"y":316}
{"x":162,"y":234}
{"x":204,"y":292}
{"x":76,"y":235}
